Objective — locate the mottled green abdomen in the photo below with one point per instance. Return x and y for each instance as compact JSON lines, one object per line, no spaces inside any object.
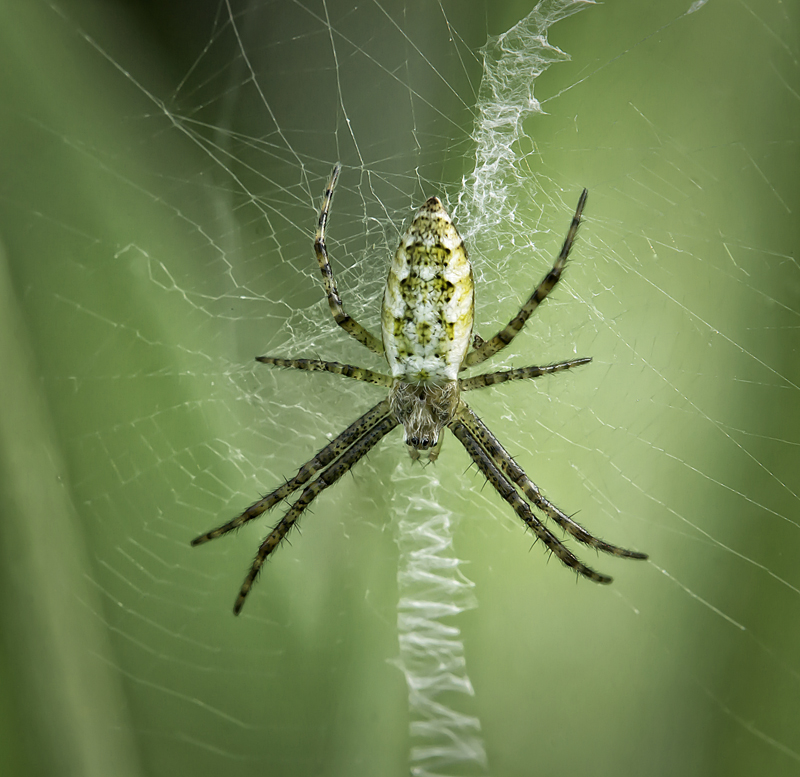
{"x":428,"y":305}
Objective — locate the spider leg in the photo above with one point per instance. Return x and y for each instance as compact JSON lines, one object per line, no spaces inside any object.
{"x":501,"y":484}
{"x":356,"y":452}
{"x":523,"y":373}
{"x":350,"y":325}
{"x":488,"y":348}
{"x":517,"y":475}
{"x":315,"y":365}
{"x":329,"y":453}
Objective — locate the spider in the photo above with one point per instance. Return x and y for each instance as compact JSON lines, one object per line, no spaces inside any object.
{"x":426,"y":327}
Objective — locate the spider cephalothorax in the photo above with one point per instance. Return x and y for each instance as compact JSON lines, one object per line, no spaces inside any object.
{"x":424,"y":410}
{"x":426,"y":332}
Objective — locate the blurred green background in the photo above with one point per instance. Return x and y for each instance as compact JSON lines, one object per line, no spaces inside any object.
{"x":162,"y":166}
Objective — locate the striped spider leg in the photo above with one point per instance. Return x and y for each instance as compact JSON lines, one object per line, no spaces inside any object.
{"x":426,"y":332}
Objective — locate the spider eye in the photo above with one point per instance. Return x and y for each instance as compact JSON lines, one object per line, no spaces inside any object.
{"x":420,"y":443}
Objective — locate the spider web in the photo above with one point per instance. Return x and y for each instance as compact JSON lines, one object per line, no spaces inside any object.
{"x":162,"y":176}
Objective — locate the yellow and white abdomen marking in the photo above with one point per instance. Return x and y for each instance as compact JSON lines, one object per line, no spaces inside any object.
{"x":428,"y":304}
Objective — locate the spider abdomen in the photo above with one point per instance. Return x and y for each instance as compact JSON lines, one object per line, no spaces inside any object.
{"x":428,"y":303}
